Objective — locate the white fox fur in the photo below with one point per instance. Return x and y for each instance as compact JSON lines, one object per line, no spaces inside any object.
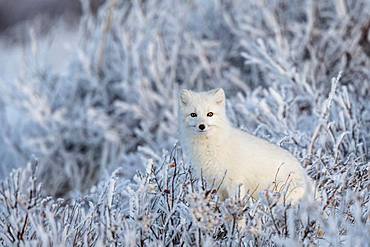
{"x":221,"y":152}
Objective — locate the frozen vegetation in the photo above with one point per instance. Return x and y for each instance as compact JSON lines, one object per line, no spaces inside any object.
{"x":100,"y":143}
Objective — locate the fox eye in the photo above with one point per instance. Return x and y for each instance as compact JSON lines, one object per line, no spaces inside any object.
{"x":209,"y":114}
{"x":193,"y":114}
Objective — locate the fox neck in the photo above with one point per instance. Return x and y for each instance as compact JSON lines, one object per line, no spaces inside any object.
{"x":199,"y":147}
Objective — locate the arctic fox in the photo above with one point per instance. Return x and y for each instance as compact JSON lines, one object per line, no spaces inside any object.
{"x":230,"y":158}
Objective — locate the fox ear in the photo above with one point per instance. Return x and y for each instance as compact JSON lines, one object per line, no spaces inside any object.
{"x":185,"y":96}
{"x":219,"y":95}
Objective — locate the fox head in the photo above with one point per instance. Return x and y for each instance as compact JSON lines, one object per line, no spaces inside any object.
{"x":202,"y":113}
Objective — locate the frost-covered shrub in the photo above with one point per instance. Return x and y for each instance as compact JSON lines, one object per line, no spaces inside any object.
{"x":167,"y":205}
{"x":295,"y":73}
{"x":120,"y":91}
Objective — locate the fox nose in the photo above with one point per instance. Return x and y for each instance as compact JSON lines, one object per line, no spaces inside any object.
{"x":201,"y":126}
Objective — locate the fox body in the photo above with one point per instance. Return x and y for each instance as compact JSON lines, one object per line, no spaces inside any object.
{"x":230,"y":158}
